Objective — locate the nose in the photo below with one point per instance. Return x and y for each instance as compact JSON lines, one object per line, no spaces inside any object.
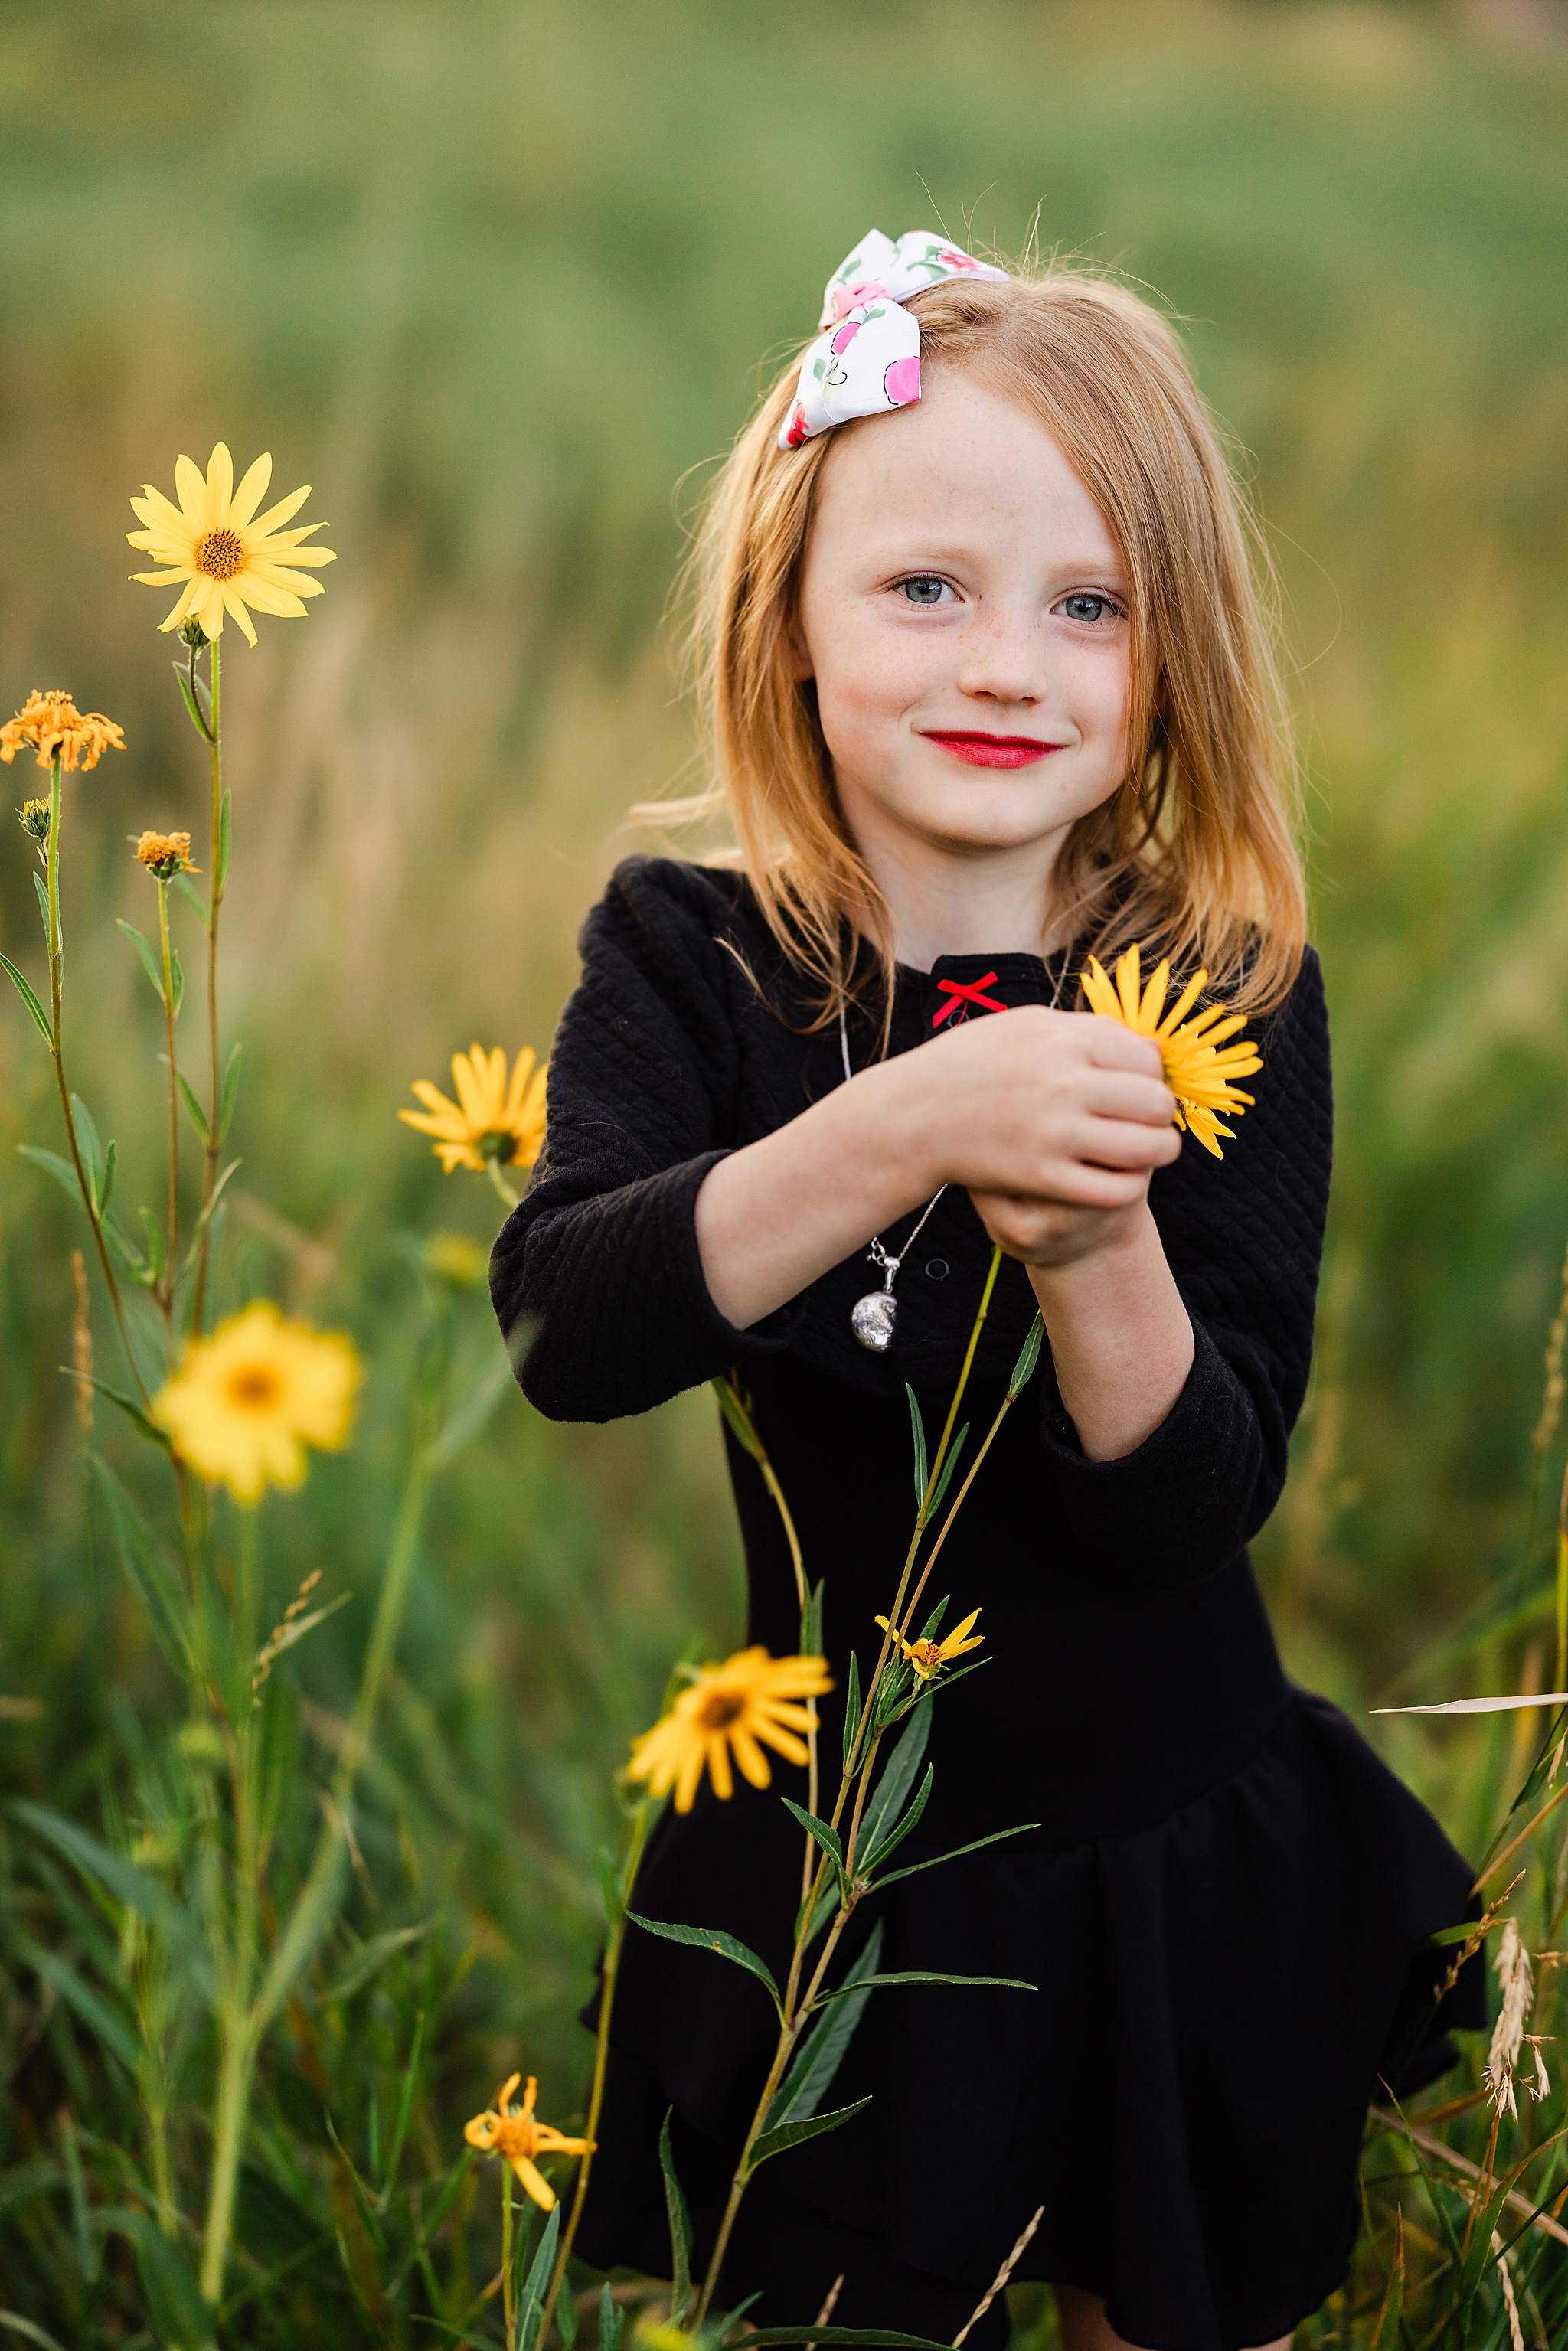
{"x":1004,"y":656}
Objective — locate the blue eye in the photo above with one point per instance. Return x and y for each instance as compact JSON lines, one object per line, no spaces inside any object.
{"x":924,"y":589}
{"x":1088,"y":608}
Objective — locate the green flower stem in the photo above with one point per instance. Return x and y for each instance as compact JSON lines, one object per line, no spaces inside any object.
{"x":636,"y":1836}
{"x":507,"y":2290}
{"x":501,"y":1184}
{"x":57,"y":977}
{"x":857,"y":1776}
{"x":1002,"y":1410}
{"x":214,"y":900}
{"x":168,"y":1286}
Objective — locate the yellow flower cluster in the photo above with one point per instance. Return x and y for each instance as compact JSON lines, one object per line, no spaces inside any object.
{"x":56,"y":729}
{"x":748,"y":1702}
{"x":226,"y":556}
{"x":1200,"y":1067}
{"x":928,"y":1657}
{"x":246,"y":1402}
{"x":512,"y":2133}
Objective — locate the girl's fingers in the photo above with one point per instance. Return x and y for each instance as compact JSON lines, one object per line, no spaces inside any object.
{"x":1118,"y":1094}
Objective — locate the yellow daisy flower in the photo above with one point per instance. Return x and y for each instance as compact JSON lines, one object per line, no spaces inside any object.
{"x":1200,"y":1069}
{"x":512,"y":2133}
{"x":491,"y":1122}
{"x":750,"y":1698}
{"x":229,"y":556}
{"x":928,"y":1657}
{"x":57,"y":729}
{"x":165,"y":854}
{"x":245,"y":1403}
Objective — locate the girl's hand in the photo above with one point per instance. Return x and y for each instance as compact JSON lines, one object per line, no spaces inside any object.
{"x":1054,"y":1123}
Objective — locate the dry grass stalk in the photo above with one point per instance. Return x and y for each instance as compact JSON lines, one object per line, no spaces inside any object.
{"x":1517,"y":1979}
{"x":1430,"y":2144}
{"x":1516,"y":2332}
{"x":1552,"y":1396}
{"x":81,"y":1340}
{"x":1000,"y":2279}
{"x":830,"y":2303}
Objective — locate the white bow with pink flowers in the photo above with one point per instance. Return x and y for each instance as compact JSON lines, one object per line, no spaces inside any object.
{"x":868,"y":357}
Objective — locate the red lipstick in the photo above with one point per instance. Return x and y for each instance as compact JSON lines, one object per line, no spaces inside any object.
{"x":991,"y":750}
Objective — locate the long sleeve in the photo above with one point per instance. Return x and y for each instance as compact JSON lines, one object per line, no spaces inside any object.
{"x":596,"y":1276}
{"x":1244,"y":1238}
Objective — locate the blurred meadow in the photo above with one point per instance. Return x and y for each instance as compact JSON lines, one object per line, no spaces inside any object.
{"x":499,"y":281}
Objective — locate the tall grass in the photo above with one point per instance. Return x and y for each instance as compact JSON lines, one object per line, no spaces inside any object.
{"x":498,"y":279}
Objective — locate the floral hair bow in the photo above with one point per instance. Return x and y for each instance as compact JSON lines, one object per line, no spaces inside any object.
{"x":868,"y":356}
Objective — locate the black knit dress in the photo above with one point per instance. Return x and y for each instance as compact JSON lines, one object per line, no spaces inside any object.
{"x":1226,"y":1900}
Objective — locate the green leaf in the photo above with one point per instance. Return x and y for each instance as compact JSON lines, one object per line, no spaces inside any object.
{"x":38,"y":885}
{"x":937,"y":1860}
{"x":198,"y":1115}
{"x":210,"y":1211}
{"x":40,"y":1018}
{"x":1023,"y":1370}
{"x":948,"y":1466}
{"x":154,"y":1232}
{"x":895,"y":1836}
{"x":128,"y":1403}
{"x":222,"y":858}
{"x":149,"y":963}
{"x":83,"y":1998}
{"x":371,"y":1957}
{"x":892,"y":1791}
{"x":180,"y":2316}
{"x":189,"y":699}
{"x":680,"y":2229}
{"x":188,"y":891}
{"x":177,"y":979}
{"x":148,"y":1571}
{"x":917,"y":1434}
{"x":122,"y":1878}
{"x":874,"y":1983}
{"x":230,"y":1094}
{"x":612,"y":2321}
{"x":738,"y":1418}
{"x":565,"y":2316}
{"x":64,"y":1174}
{"x":17,"y":2325}
{"x":774,"y":2142}
{"x":130,"y":1261}
{"x":89,"y":1147}
{"x":812,"y":1622}
{"x":107,"y":1194}
{"x":816,"y":2059}
{"x":851,"y":1707}
{"x":531,"y":2300}
{"x":827,"y":1837}
{"x":713,"y":1939}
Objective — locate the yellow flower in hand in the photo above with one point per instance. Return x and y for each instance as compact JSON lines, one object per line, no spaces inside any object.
{"x":928,"y":1657}
{"x":491,"y":1123}
{"x":750,"y":1699}
{"x":1200,"y":1069}
{"x":228,"y":556}
{"x":246,"y":1402}
{"x":512,"y":2133}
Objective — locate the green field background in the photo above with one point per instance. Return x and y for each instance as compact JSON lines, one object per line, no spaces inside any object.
{"x":501,"y":282}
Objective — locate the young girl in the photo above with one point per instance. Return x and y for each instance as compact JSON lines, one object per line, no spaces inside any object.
{"x":990,"y":692}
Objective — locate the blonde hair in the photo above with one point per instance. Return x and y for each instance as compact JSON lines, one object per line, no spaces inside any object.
{"x":1193,"y":854}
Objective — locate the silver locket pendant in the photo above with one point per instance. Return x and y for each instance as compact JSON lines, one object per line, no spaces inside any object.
{"x":874,"y":1315}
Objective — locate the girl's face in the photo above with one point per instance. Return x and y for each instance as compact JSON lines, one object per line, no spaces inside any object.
{"x":963,"y":612}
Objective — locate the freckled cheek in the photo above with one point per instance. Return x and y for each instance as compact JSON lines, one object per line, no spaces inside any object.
{"x":864,"y":687}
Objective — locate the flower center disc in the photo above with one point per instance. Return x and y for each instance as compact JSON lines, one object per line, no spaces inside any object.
{"x":254,"y":1389}
{"x":716,"y":1713}
{"x":219,"y":554}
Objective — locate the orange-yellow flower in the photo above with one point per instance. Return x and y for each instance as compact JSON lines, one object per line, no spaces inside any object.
{"x":512,"y":2133}
{"x":747,"y":1703}
{"x":57,"y":729}
{"x":246,"y":1402}
{"x":491,"y":1123}
{"x":228,"y":556}
{"x":165,"y":854}
{"x":928,"y":1657}
{"x":1200,"y":1069}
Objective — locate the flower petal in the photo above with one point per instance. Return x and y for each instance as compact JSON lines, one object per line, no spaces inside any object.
{"x":250,"y":493}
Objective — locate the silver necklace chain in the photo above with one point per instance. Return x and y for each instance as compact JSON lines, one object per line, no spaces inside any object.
{"x":872,"y":1317}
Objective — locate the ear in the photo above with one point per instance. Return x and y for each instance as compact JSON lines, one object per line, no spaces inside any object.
{"x":801,"y":666}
